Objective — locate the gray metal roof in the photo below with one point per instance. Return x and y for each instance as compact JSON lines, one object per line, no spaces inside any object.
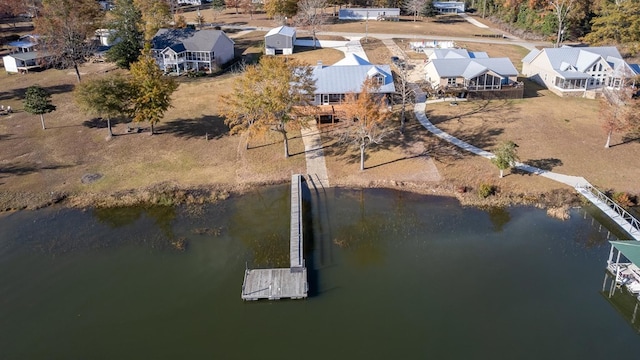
{"x":30,"y":55}
{"x":580,"y":58}
{"x":457,"y":54}
{"x":352,"y":59}
{"x":531,"y":55}
{"x":190,"y":39}
{"x":469,"y":68}
{"x":344,"y":79}
{"x":282,"y":30}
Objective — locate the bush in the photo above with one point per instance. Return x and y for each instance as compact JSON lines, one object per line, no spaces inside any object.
{"x":624,"y":199}
{"x":486,"y":190}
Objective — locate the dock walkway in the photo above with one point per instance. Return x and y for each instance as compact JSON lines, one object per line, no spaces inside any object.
{"x":283,"y":283}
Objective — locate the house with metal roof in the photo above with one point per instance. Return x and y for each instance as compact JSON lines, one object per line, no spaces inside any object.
{"x":334,"y":82}
{"x":389,"y":14}
{"x":25,"y":43}
{"x":448,"y":7}
{"x":472,"y":74}
{"x":22,"y":62}
{"x":280,"y":40}
{"x":578,"y":71}
{"x":182,"y":50}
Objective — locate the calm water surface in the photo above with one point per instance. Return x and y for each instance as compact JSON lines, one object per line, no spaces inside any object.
{"x":393,"y":275}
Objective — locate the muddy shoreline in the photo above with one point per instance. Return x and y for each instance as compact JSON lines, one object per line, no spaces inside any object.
{"x":174,"y":194}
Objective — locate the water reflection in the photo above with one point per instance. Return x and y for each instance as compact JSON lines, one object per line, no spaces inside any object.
{"x":499,"y":217}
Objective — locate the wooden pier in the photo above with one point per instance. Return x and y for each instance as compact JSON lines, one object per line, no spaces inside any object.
{"x":284,"y":283}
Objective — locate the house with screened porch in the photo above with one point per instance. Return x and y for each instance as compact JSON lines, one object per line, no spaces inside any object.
{"x":182,"y":50}
{"x":467,"y":74}
{"x":578,"y":71}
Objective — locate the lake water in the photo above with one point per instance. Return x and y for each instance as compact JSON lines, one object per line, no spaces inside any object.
{"x":392,"y":275}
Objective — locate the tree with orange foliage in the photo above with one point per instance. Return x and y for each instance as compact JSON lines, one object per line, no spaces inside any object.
{"x":366,"y":118}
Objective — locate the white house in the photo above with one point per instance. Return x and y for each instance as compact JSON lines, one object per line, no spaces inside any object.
{"x":577,"y":71}
{"x":280,"y":40}
{"x":369,"y":13}
{"x":25,"y":43}
{"x":446,"y":7}
{"x":472,"y":74}
{"x":180,"y":50}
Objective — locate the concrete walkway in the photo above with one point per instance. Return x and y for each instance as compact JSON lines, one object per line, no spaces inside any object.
{"x":314,"y":155}
{"x":473,"y":21}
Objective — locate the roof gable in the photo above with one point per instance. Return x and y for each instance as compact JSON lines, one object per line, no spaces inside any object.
{"x":282,"y":30}
{"x":577,"y":59}
{"x":344,"y":79}
{"x":469,"y":68}
{"x":190,"y":39}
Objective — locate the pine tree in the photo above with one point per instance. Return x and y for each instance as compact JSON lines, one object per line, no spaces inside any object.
{"x":128,"y":36}
{"x":37,"y":101}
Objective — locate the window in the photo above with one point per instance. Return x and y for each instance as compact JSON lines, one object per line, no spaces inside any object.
{"x":451,"y":81}
{"x":379,"y":79}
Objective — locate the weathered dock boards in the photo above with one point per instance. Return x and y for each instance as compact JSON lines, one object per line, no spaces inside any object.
{"x":274,"y":284}
{"x":296,"y":256}
{"x":289,"y":282}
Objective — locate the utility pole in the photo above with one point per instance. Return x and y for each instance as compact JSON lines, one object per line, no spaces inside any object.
{"x":484,"y":7}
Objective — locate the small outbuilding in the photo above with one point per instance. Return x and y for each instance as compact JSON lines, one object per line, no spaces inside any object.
{"x":280,"y":41}
{"x":22,"y":62}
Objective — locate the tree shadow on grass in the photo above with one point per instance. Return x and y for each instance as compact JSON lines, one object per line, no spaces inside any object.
{"x":211,"y":127}
{"x":630,"y":138}
{"x":545,"y":164}
{"x":101,"y":123}
{"x":26,"y":169}
{"x":409,"y":157}
{"x":19,"y":93}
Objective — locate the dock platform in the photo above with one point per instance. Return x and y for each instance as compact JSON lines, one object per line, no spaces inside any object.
{"x":275,"y":284}
{"x":283,"y":283}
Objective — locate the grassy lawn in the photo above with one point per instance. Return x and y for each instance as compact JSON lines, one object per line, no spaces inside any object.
{"x":193,"y":147}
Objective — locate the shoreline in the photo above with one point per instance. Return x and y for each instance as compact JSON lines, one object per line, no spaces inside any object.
{"x":170,"y":194}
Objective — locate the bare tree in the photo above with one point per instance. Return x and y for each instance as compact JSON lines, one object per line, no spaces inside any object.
{"x":405,"y":91}
{"x":617,"y":111}
{"x":234,"y":4}
{"x":414,"y":7}
{"x":310,"y":16}
{"x":562,"y":9}
{"x":66,"y":26}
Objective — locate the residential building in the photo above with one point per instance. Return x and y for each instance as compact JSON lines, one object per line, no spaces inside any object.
{"x":347,"y":76}
{"x":369,"y":14}
{"x":578,"y":71}
{"x":180,"y":50}
{"x":472,"y":74}
{"x":447,"y":7}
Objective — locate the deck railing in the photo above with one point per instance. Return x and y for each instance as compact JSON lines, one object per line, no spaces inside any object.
{"x":635,"y":223}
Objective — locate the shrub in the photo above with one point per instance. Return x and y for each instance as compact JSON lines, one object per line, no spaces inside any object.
{"x":486,"y":190}
{"x":623,"y":199}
